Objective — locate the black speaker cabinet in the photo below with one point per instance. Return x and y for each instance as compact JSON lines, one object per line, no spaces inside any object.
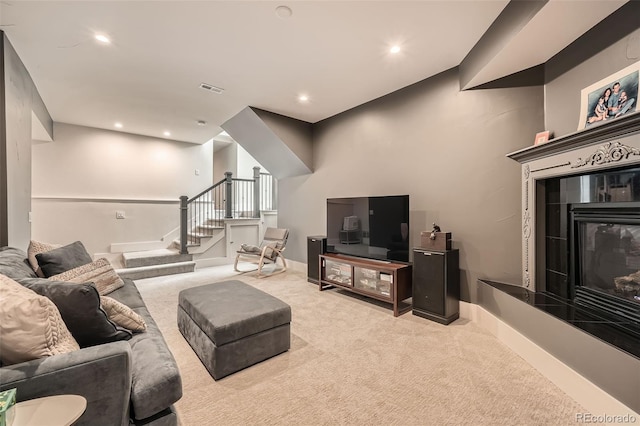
{"x":315,"y":247}
{"x":436,"y":285}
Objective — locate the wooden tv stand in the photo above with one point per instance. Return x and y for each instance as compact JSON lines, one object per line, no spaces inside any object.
{"x":386,"y":281}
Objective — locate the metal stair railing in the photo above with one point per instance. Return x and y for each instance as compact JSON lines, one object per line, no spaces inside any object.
{"x":229,"y":198}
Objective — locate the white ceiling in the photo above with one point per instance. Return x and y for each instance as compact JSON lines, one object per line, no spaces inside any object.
{"x":337,"y":52}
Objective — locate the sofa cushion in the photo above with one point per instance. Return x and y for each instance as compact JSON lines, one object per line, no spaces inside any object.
{"x":37,"y":247}
{"x":30,"y":325}
{"x":99,"y":272}
{"x":63,"y":258}
{"x":128,"y":294}
{"x":156,"y":382}
{"x":79,"y":305}
{"x":122,"y":315}
{"x":14,"y":264}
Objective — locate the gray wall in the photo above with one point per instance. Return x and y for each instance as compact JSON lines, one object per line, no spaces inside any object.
{"x":20,"y":99}
{"x":296,"y":134}
{"x":609,"y":47}
{"x":443,"y":147}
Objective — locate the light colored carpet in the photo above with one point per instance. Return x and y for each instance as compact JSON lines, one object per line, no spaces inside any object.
{"x":352,"y":363}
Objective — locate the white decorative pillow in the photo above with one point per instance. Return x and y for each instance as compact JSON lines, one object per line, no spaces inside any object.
{"x":37,"y":247}
{"x":100,"y":272}
{"x":249,"y":248}
{"x":30,"y":325}
{"x":122,"y":315}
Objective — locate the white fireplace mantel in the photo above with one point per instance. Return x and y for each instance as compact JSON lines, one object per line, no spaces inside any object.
{"x":610,"y":145}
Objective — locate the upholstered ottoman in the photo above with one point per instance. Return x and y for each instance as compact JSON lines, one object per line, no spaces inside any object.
{"x":231,"y":325}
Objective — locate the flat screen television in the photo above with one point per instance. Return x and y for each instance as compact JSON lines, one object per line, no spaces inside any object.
{"x":371,"y":227}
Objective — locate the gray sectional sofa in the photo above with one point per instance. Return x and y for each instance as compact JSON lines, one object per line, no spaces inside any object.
{"x":134,"y":381}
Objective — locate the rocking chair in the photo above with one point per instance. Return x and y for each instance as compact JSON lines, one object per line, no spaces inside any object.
{"x":269,"y":251}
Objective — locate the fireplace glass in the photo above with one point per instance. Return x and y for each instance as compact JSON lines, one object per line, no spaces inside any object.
{"x":609,"y":258}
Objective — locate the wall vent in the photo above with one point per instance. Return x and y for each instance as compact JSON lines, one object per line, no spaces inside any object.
{"x":211,"y":88}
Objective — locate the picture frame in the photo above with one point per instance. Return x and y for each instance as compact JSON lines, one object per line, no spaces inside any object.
{"x":542,"y":137}
{"x":610,"y":98}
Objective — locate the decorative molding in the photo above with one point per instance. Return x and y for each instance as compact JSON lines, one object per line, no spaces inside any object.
{"x":103,"y":200}
{"x":607,"y":153}
{"x":552,"y":167}
{"x":606,"y":132}
{"x":527,"y":171}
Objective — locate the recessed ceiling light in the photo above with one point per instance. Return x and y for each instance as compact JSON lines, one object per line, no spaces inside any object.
{"x":103,"y":38}
{"x":166,"y":133}
{"x":284,"y":12}
{"x":303,"y":98}
{"x":394,"y":49}
{"x":118,"y":125}
{"x":201,"y":123}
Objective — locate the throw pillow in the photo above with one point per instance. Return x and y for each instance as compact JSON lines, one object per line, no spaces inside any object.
{"x":62,"y":259}
{"x":99,"y":272}
{"x":79,"y":305}
{"x":30,"y":325}
{"x":250,"y":248}
{"x":37,"y":247}
{"x":122,"y":315}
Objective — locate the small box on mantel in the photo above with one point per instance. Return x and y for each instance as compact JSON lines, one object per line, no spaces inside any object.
{"x":7,"y":407}
{"x":442,"y":241}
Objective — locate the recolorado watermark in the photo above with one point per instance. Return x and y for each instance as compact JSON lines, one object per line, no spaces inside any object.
{"x":605,"y":418}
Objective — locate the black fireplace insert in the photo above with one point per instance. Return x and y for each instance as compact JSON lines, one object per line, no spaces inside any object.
{"x":604,"y":259}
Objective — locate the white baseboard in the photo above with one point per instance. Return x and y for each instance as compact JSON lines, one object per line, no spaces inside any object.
{"x":595,"y":401}
{"x":296,"y":266}
{"x":213,"y":261}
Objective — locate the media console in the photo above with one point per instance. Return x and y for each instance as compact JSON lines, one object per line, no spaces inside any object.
{"x":385,"y":281}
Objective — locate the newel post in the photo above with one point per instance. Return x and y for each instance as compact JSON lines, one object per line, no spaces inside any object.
{"x":256,"y":191}
{"x":183,"y":224}
{"x":228,"y":195}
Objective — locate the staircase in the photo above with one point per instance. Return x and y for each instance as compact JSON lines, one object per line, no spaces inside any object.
{"x":202,"y":225}
{"x":155,"y":263}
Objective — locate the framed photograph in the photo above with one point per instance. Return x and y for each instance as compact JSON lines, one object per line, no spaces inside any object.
{"x":541,"y":138}
{"x":610,"y":98}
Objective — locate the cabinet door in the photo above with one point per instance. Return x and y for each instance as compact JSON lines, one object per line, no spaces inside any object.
{"x":428,"y":281}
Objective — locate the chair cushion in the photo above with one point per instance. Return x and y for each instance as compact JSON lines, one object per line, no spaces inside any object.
{"x":230,"y":310}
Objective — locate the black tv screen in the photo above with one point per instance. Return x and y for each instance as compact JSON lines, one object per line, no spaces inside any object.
{"x":372,"y":227}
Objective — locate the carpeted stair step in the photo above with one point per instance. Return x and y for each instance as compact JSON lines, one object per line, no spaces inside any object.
{"x":207,"y":229}
{"x":141,"y":272}
{"x":154,"y":257}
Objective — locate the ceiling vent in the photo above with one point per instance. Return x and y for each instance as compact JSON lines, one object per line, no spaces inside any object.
{"x":211,"y":88}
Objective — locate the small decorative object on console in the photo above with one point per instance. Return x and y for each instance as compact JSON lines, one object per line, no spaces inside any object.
{"x":435,"y":239}
{"x":542,"y":137}
{"x":7,"y":407}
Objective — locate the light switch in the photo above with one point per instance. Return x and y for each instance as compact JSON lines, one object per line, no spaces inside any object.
{"x":119,"y":214}
{"x":197,"y":172}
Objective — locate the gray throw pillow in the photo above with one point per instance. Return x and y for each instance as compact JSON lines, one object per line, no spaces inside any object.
{"x":79,"y":306}
{"x":62,"y":259}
